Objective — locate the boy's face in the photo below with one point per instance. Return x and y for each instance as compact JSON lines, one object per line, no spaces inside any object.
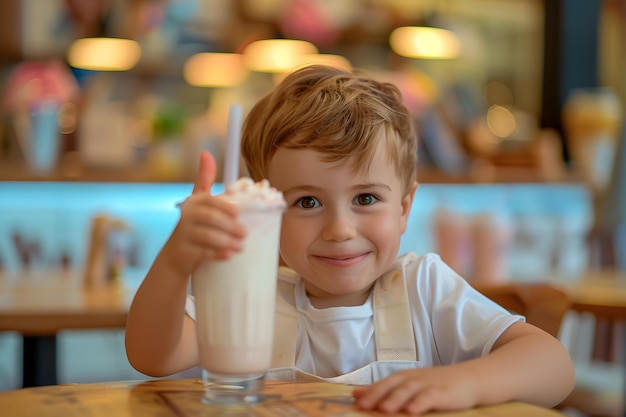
{"x":341,"y":230}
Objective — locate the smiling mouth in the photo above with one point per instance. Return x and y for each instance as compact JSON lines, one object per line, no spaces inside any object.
{"x":342,"y":261}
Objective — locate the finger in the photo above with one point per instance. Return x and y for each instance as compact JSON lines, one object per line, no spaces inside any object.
{"x":206,"y":173}
{"x":401,"y":396}
{"x":198,"y":201}
{"x":224,"y":218}
{"x":194,"y":251}
{"x":224,"y":255}
{"x":215,"y":239}
{"x":428,"y":400}
{"x":369,"y":397}
{"x":210,"y":254}
{"x":358,"y":392}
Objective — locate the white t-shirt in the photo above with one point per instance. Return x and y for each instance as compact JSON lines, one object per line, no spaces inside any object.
{"x":452,"y":322}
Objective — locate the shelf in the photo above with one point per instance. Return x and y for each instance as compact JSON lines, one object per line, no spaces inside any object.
{"x":16,"y":172}
{"x":492,"y":175}
{"x":426,"y":175}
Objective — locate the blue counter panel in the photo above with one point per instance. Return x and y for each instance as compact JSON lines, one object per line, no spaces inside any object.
{"x":550,"y":224}
{"x":56,"y":215}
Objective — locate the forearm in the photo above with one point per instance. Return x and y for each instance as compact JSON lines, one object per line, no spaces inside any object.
{"x":155,"y":329}
{"x":533,"y":367}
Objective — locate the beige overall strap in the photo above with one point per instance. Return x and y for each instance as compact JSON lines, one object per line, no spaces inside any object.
{"x":393,"y":327}
{"x":285,"y":321}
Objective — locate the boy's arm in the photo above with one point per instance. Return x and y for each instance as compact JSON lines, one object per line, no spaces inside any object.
{"x":160,"y":337}
{"x":525,"y":364}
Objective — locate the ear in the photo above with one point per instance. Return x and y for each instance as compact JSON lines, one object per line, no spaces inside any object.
{"x":405,"y":206}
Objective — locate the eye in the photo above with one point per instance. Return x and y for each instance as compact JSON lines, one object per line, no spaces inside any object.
{"x":307,"y":203}
{"x":365,"y":200}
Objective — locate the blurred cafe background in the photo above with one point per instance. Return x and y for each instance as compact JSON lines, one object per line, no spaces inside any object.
{"x":106,"y":104}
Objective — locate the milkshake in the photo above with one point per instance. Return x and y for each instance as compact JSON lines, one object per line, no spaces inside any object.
{"x":235,"y":300}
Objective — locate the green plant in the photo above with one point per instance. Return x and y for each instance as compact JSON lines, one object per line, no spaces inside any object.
{"x":168,"y":122}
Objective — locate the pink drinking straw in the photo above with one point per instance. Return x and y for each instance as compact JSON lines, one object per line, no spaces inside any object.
{"x":233,"y":138}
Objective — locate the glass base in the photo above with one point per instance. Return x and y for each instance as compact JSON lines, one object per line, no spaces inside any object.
{"x":233,"y":389}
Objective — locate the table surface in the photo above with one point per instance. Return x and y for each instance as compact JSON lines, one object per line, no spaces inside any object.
{"x":44,"y":302}
{"x":603,"y":294}
{"x":600,"y":292}
{"x":182,"y":397}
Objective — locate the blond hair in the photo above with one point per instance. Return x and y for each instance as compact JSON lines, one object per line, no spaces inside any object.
{"x":337,"y":113}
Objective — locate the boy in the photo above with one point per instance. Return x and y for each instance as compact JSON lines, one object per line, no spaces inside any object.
{"x":342,"y":149}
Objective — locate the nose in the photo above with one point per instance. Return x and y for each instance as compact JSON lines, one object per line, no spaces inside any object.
{"x":339,"y":227}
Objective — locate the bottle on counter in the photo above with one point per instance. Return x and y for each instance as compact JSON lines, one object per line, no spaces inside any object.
{"x":492,"y":237}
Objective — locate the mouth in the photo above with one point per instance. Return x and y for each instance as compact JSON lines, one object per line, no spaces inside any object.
{"x":342,"y":261}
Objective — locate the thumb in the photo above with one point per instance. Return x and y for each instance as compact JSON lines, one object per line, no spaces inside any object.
{"x":206,"y":173}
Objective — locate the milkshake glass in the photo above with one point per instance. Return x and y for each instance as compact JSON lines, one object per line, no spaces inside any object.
{"x":235,"y":301}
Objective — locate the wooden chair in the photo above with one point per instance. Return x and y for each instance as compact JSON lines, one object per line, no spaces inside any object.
{"x":542,"y":304}
{"x":600,"y":375}
{"x":598,"y":392}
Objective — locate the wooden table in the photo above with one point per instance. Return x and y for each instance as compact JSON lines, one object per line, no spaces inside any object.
{"x":181,"y":398}
{"x":39,"y":304}
{"x":603,"y":294}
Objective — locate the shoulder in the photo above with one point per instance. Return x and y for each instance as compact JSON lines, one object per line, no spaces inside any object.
{"x":420,"y":273}
{"x":288,"y":275}
{"x":288,"y":279}
{"x":430,"y":276}
{"x":424,"y":267}
{"x":411,"y":258}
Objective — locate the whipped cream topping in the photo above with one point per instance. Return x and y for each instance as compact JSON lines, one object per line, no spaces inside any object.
{"x":246,"y":191}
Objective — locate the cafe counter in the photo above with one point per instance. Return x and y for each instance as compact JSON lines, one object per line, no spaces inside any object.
{"x":46,"y":226}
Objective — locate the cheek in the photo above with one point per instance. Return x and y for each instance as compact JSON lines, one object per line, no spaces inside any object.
{"x":386,"y":228}
{"x":291,"y":236}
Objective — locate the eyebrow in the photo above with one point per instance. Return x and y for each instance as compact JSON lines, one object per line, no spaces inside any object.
{"x":373,"y":185}
{"x":300,"y":189}
{"x":313,"y":189}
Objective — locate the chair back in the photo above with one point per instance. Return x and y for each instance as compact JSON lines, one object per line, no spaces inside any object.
{"x":542,"y":304}
{"x":599,"y":390}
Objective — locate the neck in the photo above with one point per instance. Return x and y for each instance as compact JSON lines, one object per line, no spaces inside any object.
{"x":344,"y":300}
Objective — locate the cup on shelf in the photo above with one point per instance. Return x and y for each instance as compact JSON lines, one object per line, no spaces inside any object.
{"x":39,"y":136}
{"x":592,"y":118}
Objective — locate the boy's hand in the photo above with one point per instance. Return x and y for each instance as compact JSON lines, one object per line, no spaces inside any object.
{"x":418,"y":391}
{"x":208,"y":227}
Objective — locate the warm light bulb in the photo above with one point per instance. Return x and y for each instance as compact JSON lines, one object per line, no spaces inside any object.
{"x":210,"y":69}
{"x":424,"y":42}
{"x":336,"y":61}
{"x":276,"y":55}
{"x":104,"y":54}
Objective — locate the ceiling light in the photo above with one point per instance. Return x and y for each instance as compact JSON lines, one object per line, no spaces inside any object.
{"x":211,"y":69}
{"x":104,"y":54}
{"x":332,"y":60}
{"x":276,"y":55}
{"x":424,"y":42}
